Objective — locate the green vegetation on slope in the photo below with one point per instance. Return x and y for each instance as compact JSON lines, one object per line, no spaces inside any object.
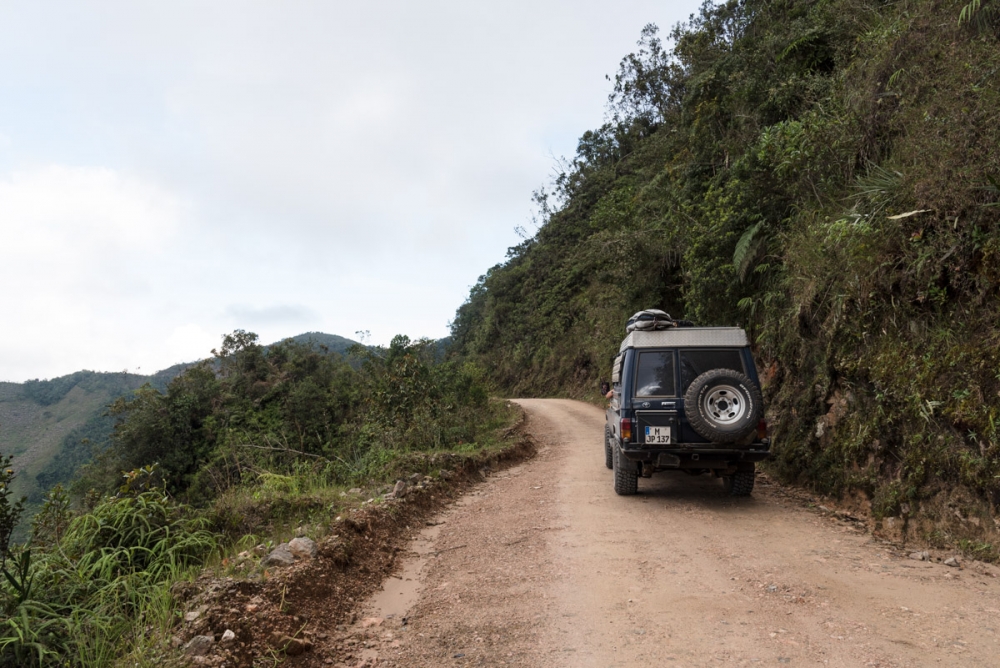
{"x":53,"y":427}
{"x":234,"y":451}
{"x":214,"y":423}
{"x":825,"y":174}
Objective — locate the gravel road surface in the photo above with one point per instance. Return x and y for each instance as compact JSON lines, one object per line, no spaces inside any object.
{"x":543,"y":565}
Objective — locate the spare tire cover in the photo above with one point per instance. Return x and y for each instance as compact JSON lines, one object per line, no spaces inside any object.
{"x":723,"y":405}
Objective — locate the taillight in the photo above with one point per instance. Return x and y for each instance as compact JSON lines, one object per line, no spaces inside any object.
{"x":762,"y":429}
{"x":626,"y":429}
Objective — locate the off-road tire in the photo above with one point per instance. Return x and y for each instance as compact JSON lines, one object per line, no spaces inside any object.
{"x":626,"y":476}
{"x":739,"y":484}
{"x":723,"y":406}
{"x":609,"y":456}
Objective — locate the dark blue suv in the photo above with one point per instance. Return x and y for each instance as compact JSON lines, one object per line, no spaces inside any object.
{"x":687,"y":399}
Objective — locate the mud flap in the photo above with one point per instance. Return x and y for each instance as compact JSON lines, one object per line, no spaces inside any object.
{"x":668,"y":460}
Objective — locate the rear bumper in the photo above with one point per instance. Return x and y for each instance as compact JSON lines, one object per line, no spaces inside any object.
{"x":697,"y":455}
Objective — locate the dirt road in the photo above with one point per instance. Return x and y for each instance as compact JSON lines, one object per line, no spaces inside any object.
{"x":543,"y":565}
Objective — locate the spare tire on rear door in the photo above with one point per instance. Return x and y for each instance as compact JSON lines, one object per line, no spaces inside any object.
{"x":723,"y":405}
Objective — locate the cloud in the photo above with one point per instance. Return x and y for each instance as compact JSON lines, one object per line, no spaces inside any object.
{"x":170,"y":172}
{"x":62,"y":207}
{"x":75,"y":248}
{"x":186,"y":343}
{"x":67,"y":231}
{"x":280,"y":314}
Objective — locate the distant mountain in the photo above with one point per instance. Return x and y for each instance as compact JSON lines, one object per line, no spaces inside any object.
{"x":45,"y":424}
{"x":54,"y":426}
{"x":332,"y":342}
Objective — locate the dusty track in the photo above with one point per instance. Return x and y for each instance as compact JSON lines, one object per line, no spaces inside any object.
{"x":543,"y":565}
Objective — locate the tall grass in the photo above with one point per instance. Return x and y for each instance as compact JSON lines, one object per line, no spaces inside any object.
{"x":102,"y":580}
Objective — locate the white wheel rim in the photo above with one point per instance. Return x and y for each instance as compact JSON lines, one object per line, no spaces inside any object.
{"x":725,"y":405}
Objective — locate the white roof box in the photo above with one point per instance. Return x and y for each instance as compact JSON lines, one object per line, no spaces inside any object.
{"x":687,"y":337}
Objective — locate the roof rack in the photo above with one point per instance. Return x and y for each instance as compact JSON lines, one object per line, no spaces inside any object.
{"x":687,"y":337}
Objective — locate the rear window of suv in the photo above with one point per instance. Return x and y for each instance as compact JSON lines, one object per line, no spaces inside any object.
{"x":655,"y":374}
{"x":696,"y":362}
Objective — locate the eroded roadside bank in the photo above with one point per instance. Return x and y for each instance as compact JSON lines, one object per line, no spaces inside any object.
{"x":297,"y":612}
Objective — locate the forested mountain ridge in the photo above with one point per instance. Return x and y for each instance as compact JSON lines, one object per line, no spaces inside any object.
{"x":49,"y":425}
{"x":826,"y":175}
{"x":332,"y":342}
{"x":53,"y":426}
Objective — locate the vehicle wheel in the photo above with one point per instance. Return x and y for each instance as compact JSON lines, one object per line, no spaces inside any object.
{"x":626,"y":477}
{"x":739,"y":484}
{"x":723,"y":405}
{"x":609,"y":458}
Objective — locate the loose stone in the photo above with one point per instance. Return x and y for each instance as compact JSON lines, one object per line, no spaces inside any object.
{"x":199,"y":646}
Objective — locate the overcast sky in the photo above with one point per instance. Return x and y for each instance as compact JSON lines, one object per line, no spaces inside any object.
{"x":171,"y":171}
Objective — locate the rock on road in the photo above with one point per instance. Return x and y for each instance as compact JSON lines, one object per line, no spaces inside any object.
{"x":543,"y":565}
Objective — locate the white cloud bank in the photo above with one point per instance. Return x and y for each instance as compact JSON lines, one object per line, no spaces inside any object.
{"x":76,"y":251}
{"x":172,"y":171}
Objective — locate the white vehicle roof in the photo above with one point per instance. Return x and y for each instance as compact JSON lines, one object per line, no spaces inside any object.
{"x":687,"y":337}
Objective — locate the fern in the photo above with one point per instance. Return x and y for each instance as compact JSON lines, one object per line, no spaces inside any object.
{"x":747,"y":249}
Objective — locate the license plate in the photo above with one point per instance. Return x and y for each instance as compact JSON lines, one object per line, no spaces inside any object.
{"x":658,"y":435}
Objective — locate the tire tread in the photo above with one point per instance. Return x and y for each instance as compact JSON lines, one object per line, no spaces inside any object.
{"x":609,"y":459}
{"x":740,"y":483}
{"x":626,"y":481}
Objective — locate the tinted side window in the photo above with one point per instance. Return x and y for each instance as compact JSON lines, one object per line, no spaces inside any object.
{"x":654,"y":374}
{"x":696,"y":362}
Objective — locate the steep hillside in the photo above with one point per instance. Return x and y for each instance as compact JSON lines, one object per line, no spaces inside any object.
{"x":825,"y":174}
{"x":52,"y":427}
{"x":43,"y":422}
